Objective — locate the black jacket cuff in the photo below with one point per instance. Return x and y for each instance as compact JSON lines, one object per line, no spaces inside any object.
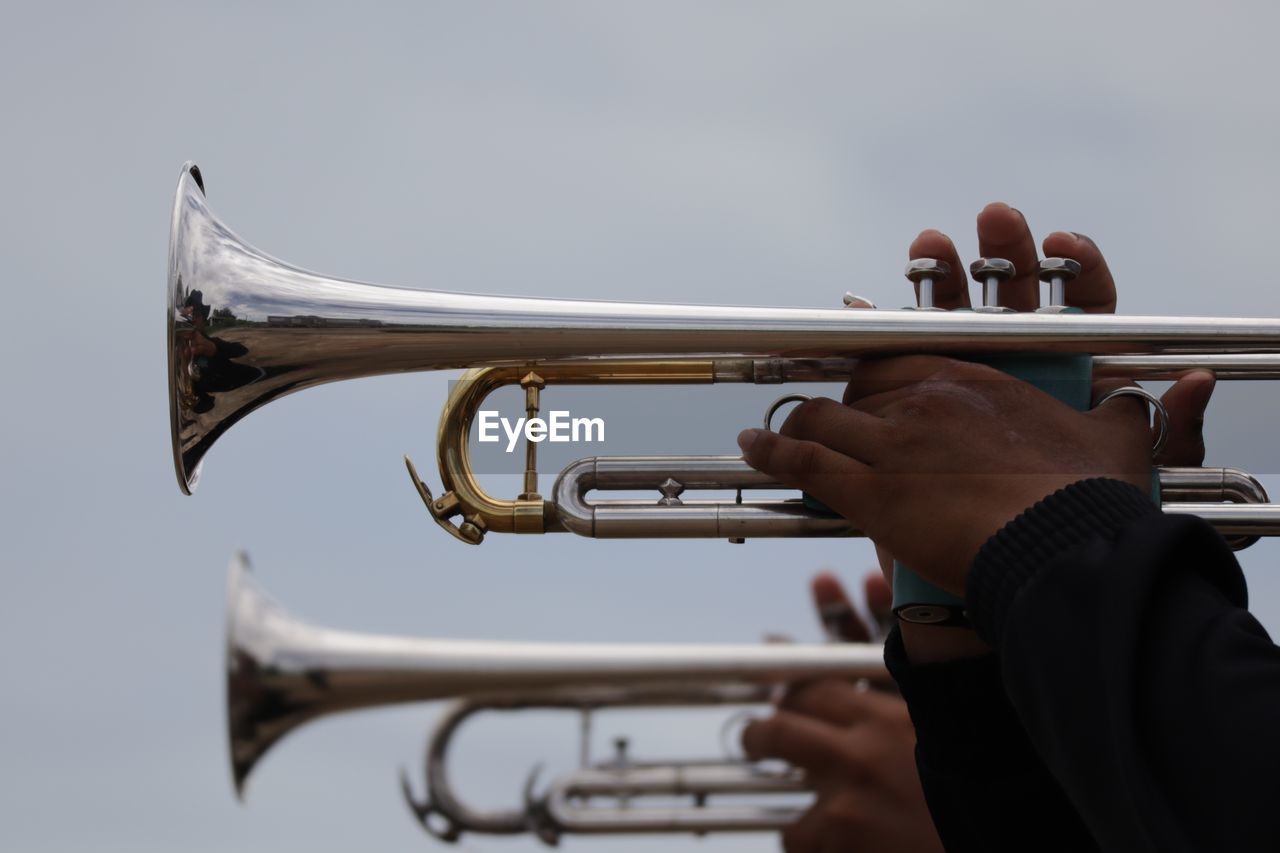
{"x":1014,"y":556}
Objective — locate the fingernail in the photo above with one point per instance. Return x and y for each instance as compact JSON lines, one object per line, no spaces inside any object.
{"x":928,"y":233}
{"x":1084,"y":238}
{"x":748,"y":437}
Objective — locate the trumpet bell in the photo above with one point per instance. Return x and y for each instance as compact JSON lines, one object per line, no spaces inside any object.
{"x":257,"y":715}
{"x":244,"y":328}
{"x":186,"y":465}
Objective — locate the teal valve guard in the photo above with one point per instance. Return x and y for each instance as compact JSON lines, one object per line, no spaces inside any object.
{"x":1068,"y":378}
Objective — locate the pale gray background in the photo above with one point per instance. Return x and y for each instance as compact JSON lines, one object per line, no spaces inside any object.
{"x":719,"y":152}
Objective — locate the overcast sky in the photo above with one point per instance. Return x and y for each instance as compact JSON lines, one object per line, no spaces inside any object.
{"x":713,"y":152}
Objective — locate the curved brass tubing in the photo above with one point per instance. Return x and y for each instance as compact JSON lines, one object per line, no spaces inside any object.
{"x":1198,"y":491}
{"x":480,"y":512}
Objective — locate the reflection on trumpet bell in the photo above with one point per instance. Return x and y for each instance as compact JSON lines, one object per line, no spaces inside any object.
{"x":282,"y":672}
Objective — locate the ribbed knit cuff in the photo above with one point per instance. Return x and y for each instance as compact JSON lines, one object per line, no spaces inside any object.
{"x":1017,"y":553}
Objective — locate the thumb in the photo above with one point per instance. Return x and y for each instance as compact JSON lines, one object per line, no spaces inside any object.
{"x":1186,"y":403}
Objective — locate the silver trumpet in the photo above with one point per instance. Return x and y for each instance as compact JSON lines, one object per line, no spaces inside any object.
{"x":283,"y":672}
{"x":245,"y":328}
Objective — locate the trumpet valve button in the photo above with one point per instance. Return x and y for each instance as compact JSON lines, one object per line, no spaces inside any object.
{"x":1066,"y":268}
{"x":990,"y":272}
{"x":924,"y":273}
{"x":1000,"y":269}
{"x":1057,"y":272}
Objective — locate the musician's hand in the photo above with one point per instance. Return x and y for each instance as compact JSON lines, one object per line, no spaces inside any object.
{"x":1003,"y":232}
{"x":857,"y":748}
{"x":931,"y":456}
{"x":840,"y":620}
{"x":918,"y":394}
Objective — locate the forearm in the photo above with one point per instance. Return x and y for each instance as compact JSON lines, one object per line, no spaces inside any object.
{"x":1126,"y":652}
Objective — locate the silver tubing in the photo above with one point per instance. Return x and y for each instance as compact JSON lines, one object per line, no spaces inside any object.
{"x":686,"y":519}
{"x":1231,"y":500}
{"x":1230,"y":485}
{"x":1232,"y":366}
{"x":561,"y":808}
{"x":1232,"y":520}
{"x":567,"y":804}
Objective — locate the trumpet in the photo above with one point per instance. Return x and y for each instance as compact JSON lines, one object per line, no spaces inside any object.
{"x":245,"y":328}
{"x":283,"y":672}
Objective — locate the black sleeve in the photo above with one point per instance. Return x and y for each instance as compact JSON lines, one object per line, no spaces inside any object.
{"x":987,"y":789}
{"x":1145,"y":686}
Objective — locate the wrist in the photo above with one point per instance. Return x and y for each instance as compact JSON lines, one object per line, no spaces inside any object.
{"x":938,"y":644}
{"x":1041,"y":536}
